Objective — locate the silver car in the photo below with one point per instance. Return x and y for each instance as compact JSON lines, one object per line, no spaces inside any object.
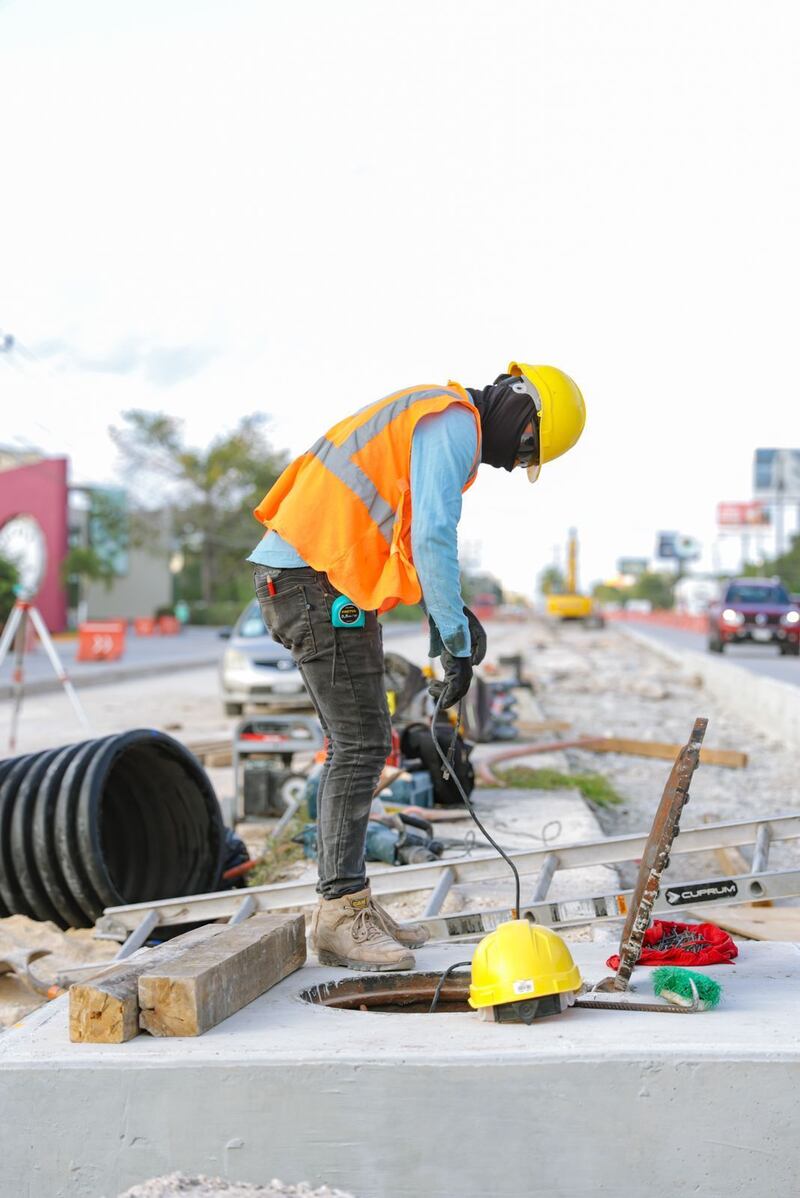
{"x":256,"y":669}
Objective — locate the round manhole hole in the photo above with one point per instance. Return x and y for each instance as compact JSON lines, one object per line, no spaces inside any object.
{"x":392,"y":993}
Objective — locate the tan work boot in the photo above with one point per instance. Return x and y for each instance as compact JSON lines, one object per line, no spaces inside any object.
{"x":411,"y":937}
{"x":346,"y":931}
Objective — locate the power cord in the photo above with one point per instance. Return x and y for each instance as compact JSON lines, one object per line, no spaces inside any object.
{"x":447,"y":762}
{"x":442,"y":981}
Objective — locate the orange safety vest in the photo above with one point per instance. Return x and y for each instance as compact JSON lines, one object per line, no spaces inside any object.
{"x":345,"y":505}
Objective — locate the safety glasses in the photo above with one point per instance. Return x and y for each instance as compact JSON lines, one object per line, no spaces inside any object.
{"x":528,"y":452}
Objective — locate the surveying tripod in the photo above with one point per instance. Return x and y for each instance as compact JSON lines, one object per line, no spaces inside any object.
{"x":17,"y":625}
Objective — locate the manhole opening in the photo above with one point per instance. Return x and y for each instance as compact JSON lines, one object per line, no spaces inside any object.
{"x":392,"y":993}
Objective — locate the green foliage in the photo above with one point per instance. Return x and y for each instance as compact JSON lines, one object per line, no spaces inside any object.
{"x":656,"y":588}
{"x":551,"y":581}
{"x":280,"y":854}
{"x":594,"y":787}
{"x":87,"y":565}
{"x":405,"y":613}
{"x":211,"y":492}
{"x":786,"y":566}
{"x":225,"y":613}
{"x":8,"y":580}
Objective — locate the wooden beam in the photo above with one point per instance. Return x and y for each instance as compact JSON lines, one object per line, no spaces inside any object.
{"x":732,"y":758}
{"x":531,"y":727}
{"x":105,"y":1010}
{"x":734,"y":863}
{"x":189,"y":995}
{"x":755,"y":923}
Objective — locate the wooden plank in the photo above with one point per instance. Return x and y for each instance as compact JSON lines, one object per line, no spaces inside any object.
{"x":734,"y":863}
{"x":732,"y":758}
{"x":106,"y":1010}
{"x":756,"y":923}
{"x":211,"y":981}
{"x":531,"y":727}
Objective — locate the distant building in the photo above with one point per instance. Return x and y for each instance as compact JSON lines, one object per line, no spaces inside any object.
{"x":66,"y":516}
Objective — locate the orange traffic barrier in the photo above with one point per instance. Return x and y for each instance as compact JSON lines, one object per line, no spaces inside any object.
{"x":144,"y":626}
{"x":168,"y":625}
{"x":101,"y":640}
{"x":664,"y":619}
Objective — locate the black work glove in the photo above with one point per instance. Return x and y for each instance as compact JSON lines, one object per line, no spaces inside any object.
{"x":477,"y":636}
{"x":457,"y":678}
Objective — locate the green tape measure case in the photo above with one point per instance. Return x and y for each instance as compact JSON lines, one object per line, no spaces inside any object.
{"x":345,"y":614}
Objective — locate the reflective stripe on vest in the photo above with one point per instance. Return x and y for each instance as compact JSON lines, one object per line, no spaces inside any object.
{"x":338,"y":459}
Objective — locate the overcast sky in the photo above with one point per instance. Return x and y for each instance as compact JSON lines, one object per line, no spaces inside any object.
{"x":211,"y":209}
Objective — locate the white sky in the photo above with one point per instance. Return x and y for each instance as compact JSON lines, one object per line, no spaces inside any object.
{"x":215,"y":208}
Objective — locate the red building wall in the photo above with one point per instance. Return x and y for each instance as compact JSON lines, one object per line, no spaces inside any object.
{"x":40,"y":490}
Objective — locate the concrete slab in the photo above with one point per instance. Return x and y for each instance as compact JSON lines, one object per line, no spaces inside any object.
{"x":391,"y":1106}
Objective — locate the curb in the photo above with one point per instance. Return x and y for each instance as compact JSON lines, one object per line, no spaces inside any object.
{"x":769,"y":705}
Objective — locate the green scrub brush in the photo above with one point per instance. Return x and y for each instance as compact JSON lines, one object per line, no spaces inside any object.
{"x":684,"y":987}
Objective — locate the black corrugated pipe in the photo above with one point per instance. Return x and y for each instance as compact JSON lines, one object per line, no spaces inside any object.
{"x":122,"y":819}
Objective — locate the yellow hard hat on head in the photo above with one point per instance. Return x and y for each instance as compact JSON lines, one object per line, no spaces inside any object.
{"x":520,"y":960}
{"x":560,"y":406}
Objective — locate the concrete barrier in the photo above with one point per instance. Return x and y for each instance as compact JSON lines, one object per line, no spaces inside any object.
{"x":769,"y":705}
{"x":424,"y":1106}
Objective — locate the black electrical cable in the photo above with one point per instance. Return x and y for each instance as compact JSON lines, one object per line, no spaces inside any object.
{"x":442,"y":981}
{"x":448,"y":764}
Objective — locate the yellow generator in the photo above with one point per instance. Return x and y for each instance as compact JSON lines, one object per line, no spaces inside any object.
{"x":570,"y":605}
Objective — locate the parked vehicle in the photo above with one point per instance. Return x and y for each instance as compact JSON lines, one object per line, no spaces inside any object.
{"x":256,"y":669}
{"x":758,"y":610}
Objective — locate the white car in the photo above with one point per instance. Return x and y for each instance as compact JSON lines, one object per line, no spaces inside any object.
{"x":256,"y":669}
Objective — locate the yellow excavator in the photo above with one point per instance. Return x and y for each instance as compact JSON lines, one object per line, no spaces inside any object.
{"x":569,"y":604}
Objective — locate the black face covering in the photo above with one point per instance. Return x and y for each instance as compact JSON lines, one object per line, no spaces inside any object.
{"x":504,"y":413}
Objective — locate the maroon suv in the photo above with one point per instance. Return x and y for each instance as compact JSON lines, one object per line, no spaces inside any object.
{"x":759,"y":610}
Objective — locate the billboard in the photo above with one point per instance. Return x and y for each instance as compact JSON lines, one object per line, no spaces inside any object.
{"x":751,"y":513}
{"x":634,"y":566}
{"x":777,"y":472}
{"x":675,"y":545}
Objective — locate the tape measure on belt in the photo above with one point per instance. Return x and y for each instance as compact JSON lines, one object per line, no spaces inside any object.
{"x":345,"y":614}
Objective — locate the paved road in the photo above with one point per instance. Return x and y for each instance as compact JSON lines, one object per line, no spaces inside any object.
{"x":143,"y":655}
{"x":760,"y":659}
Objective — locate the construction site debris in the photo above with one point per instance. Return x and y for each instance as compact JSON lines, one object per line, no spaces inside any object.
{"x":63,"y":952}
{"x":117,"y":819}
{"x":176,"y":1185}
{"x":187,"y":995}
{"x":105,"y":1010}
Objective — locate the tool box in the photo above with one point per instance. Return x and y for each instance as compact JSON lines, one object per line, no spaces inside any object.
{"x":413,"y":789}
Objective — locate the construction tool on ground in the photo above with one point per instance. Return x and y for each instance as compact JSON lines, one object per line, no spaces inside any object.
{"x":537,"y":866}
{"x":25,"y":614}
{"x":569,"y":604}
{"x":521,"y":973}
{"x":655,"y":859}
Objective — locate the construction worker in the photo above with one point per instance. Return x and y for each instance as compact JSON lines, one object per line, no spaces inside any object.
{"x":366,"y":519}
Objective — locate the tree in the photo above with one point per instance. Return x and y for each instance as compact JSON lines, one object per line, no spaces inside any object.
{"x":786,"y":566}
{"x":8,"y":580}
{"x":551,"y":581}
{"x":210,"y":491}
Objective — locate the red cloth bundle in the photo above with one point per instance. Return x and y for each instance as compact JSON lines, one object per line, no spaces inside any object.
{"x":667,"y":943}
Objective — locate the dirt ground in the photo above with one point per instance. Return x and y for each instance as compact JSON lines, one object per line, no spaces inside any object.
{"x":600,"y":681}
{"x":605,"y":683}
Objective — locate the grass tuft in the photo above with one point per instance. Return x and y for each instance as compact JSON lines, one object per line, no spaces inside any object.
{"x":594,"y":787}
{"x":279,"y":854}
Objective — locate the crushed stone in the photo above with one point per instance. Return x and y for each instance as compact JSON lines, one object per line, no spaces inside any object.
{"x":207,"y":1187}
{"x":608,"y":684}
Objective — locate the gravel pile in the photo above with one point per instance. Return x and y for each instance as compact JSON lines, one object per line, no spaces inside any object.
{"x":208,"y":1187}
{"x":607,"y":684}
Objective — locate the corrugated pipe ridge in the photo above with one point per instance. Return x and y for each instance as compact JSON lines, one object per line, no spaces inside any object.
{"x":121,"y":819}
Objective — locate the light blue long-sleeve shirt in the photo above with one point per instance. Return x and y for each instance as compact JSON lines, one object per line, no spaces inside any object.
{"x":443,"y":451}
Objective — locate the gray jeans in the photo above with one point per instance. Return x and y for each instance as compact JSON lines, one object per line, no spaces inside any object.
{"x":343,"y":672}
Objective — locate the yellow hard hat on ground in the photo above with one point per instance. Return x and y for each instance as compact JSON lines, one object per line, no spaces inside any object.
{"x":560,"y":407}
{"x":519,"y":961}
